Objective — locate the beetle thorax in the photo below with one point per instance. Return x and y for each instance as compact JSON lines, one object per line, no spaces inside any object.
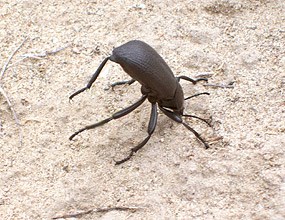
{"x":175,"y":103}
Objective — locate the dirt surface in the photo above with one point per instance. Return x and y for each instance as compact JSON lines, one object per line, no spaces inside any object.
{"x":240,"y":44}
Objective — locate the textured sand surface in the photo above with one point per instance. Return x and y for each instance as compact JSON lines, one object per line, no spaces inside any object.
{"x":241,"y":176}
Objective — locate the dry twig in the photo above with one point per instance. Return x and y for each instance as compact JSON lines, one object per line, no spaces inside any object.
{"x":102,"y":210}
{"x":10,"y":58}
{"x":230,"y":85}
{"x":2,"y":91}
{"x":43,"y":54}
{"x":38,"y":56}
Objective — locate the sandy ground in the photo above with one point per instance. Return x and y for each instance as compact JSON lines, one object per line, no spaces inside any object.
{"x":238,"y":42}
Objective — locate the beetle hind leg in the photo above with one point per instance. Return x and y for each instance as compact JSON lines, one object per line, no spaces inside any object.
{"x":92,"y":80}
{"x":151,"y":127}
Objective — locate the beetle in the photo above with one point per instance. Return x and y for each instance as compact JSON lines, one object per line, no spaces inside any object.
{"x":158,"y":85}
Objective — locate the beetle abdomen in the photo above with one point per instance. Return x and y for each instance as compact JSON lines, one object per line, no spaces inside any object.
{"x":146,"y":66}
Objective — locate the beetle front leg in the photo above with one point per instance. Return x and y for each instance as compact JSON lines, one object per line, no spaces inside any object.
{"x":151,"y":127}
{"x":92,"y":80}
{"x":195,"y":95}
{"x":178,"y":119}
{"x":117,"y":115}
{"x":194,"y":81}
{"x":202,"y":119}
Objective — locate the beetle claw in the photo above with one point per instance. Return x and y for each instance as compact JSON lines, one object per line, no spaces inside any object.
{"x":118,"y":162}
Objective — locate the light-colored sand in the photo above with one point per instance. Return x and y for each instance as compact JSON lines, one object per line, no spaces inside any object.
{"x":242,"y":175}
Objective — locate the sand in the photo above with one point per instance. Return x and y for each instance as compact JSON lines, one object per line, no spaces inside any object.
{"x":238,"y":44}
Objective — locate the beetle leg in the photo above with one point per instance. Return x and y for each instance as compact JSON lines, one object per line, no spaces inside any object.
{"x":150,"y":130}
{"x":92,"y":80}
{"x":202,"y":119}
{"x":196,"y":134}
{"x":117,"y":115}
{"x":192,"y":96}
{"x":129,"y":82}
{"x":194,"y":81}
{"x":178,"y":119}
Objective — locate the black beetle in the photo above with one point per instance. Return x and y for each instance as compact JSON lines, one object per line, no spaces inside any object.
{"x":159,"y":86}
